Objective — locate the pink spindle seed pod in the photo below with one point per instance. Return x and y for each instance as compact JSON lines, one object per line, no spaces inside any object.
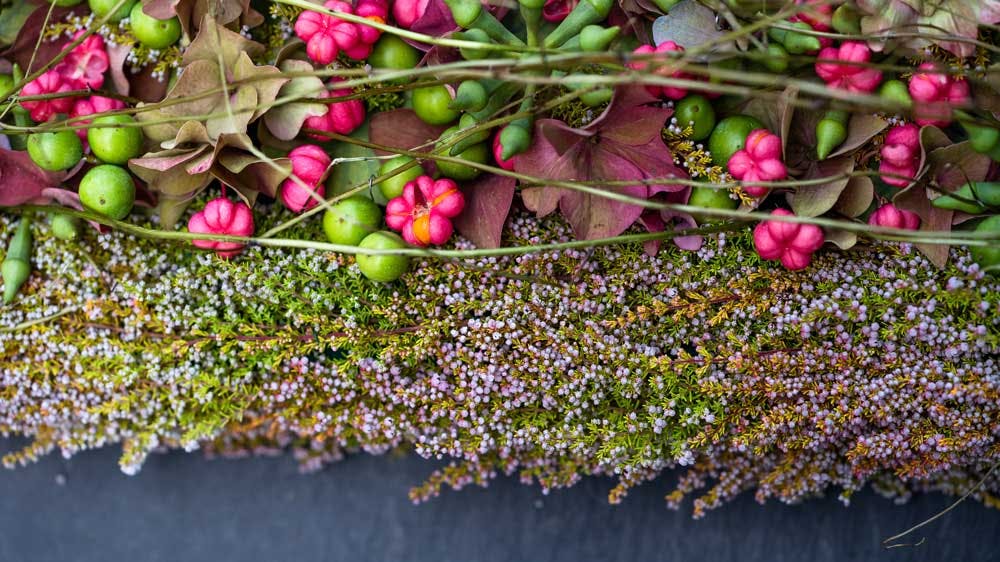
{"x":90,"y":106}
{"x":900,"y":155}
{"x":326,"y":35}
{"x":49,"y":83}
{"x":222,"y":217}
{"x":309,"y":164}
{"x":819,"y":16}
{"x":935,"y":94}
{"x":341,"y":117}
{"x":498,"y":152}
{"x":890,"y":216}
{"x":759,"y":160}
{"x":407,"y":12}
{"x":424,"y":211}
{"x":793,"y":244}
{"x":556,"y":10}
{"x":853,"y":77}
{"x":670,"y":92}
{"x":85,"y":65}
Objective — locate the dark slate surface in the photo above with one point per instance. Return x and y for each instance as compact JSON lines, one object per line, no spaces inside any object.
{"x":183,"y":508}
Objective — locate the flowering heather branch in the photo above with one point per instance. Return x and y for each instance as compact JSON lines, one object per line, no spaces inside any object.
{"x":869,"y":367}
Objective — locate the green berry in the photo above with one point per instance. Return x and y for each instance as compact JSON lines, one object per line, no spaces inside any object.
{"x":154,"y":33}
{"x":431,"y":104}
{"x":108,"y":190}
{"x":697,"y":112}
{"x":897,"y":93}
{"x":66,"y":3}
{"x":478,"y":153}
{"x":988,"y":257}
{"x":101,"y":8}
{"x":383,"y":268}
{"x":115,"y":145}
{"x":350,"y":220}
{"x":392,"y":53}
{"x":55,"y":151}
{"x":477,"y":36}
{"x":711,"y":198}
{"x":776,"y":59}
{"x":65,"y":227}
{"x":393,"y":187}
{"x":6,"y":86}
{"x":730,"y":135}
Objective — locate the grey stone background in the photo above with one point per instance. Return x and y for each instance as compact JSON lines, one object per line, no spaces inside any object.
{"x":184,"y":508}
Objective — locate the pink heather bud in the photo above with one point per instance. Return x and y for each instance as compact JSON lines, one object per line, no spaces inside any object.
{"x":791,"y":243}
{"x":85,"y":65}
{"x":341,"y":117}
{"x":407,"y":12}
{"x":759,"y":160}
{"x":222,"y":217}
{"x":556,"y":10}
{"x":424,"y":211}
{"x":890,"y":216}
{"x":851,"y":77}
{"x":326,"y":36}
{"x":670,"y":92}
{"x":900,"y":154}
{"x":498,"y":151}
{"x":309,"y":164}
{"x":935,"y":93}
{"x":49,"y":83}
{"x":90,"y":106}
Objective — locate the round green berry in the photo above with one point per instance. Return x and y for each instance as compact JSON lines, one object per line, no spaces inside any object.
{"x":65,"y":227}
{"x":431,"y":104}
{"x":55,"y":151}
{"x":383,"y":268}
{"x":350,"y":220}
{"x":477,"y":153}
{"x":393,"y":187}
{"x":711,"y":198}
{"x":154,"y":33}
{"x":6,"y":86}
{"x":101,"y":8}
{"x":392,"y":53}
{"x":696,"y":111}
{"x":108,"y":190}
{"x":729,"y":136}
{"x":115,"y":145}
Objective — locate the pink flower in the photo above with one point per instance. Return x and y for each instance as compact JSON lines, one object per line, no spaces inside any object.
{"x":498,"y":151}
{"x":890,"y":216}
{"x":935,"y":93}
{"x":556,"y":10}
{"x":760,"y":160}
{"x":900,"y":155}
{"x":49,"y":83}
{"x":309,"y":163}
{"x":222,"y":217}
{"x":791,"y":243}
{"x":424,"y":211}
{"x":326,"y":36}
{"x":85,"y":65}
{"x":406,"y":12}
{"x":670,"y":92}
{"x":850,"y":77}
{"x":341,"y":117}
{"x":90,"y":106}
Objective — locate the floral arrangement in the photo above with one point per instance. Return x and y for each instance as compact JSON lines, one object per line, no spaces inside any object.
{"x":439,"y":225}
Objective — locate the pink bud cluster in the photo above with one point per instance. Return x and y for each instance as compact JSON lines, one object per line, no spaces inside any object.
{"x":222,"y":217}
{"x":901,"y":155}
{"x":341,"y":117}
{"x":326,"y":36}
{"x":935,"y":93}
{"x":843,"y":68}
{"x":669,"y":92}
{"x":793,"y":244}
{"x":424,"y":211}
{"x":309,"y":165}
{"x":891,"y":216}
{"x":760,"y":160}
